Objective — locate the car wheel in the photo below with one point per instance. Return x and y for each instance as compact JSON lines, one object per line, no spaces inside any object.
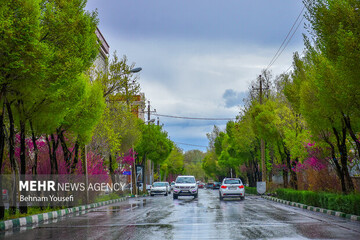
{"x":175,"y":196}
{"x":166,"y":194}
{"x":152,"y":195}
{"x":196,"y":195}
{"x":242,"y":198}
{"x":221,"y":198}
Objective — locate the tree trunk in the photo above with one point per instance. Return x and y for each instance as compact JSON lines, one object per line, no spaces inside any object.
{"x":337,"y":165}
{"x":341,"y":144}
{"x":23,"y":204}
{"x":352,"y":134}
{"x":12,"y":207}
{"x":290,"y":165}
{"x":146,"y":176}
{"x":52,"y":145}
{"x":271,"y":149}
{"x":76,"y":157}
{"x":66,"y":152}
{"x":36,"y":150}
{"x":293,"y":175}
{"x":2,"y":146}
{"x":285,"y":173}
{"x":111,"y":170}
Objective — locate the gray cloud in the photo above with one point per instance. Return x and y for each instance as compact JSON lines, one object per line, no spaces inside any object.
{"x":233,"y":98}
{"x":198,"y":57}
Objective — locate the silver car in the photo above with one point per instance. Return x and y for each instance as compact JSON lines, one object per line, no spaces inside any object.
{"x":172,"y":185}
{"x":230,"y":188}
{"x":185,"y":186}
{"x":159,"y":188}
{"x":168,"y":187}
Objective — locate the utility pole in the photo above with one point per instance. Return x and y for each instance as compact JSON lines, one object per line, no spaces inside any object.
{"x":158,"y":166}
{"x":262,"y":142}
{"x":148,"y":161}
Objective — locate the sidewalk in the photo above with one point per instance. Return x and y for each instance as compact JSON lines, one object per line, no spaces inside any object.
{"x":38,"y":218}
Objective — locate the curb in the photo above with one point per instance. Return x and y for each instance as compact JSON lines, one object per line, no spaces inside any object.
{"x":314,"y":209}
{"x":35,"y":219}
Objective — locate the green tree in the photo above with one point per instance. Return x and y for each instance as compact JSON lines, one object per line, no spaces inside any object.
{"x":332,"y":75}
{"x":174,"y":163}
{"x":193,"y":163}
{"x":47,"y":45}
{"x":154,"y":144}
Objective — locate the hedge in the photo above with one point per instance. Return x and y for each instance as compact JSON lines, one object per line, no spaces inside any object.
{"x":250,"y":190}
{"x":349,"y":204}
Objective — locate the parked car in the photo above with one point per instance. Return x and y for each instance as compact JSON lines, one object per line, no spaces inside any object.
{"x":210,"y":186}
{"x":201,"y":185}
{"x":5,"y":195}
{"x":217,"y":185}
{"x":172,"y":184}
{"x":231,"y":187}
{"x":185,"y":186}
{"x":159,"y":188}
{"x":168,"y":187}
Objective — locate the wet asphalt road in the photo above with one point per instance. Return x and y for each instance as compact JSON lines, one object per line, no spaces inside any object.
{"x":207,"y":217}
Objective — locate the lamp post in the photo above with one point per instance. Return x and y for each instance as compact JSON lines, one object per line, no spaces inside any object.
{"x":133,"y":167}
{"x":135,"y":70}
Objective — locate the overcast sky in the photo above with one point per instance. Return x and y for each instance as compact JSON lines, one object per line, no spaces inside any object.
{"x":199,"y":56}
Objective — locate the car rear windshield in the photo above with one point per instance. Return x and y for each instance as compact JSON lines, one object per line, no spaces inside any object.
{"x":185,"y":180}
{"x":159,"y":184}
{"x":232,"y":181}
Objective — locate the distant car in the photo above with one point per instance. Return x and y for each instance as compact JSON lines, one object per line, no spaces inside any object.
{"x":168,"y":187}
{"x":217,"y":185}
{"x":185,"y":186}
{"x":159,"y":188}
{"x":201,"y":185}
{"x":209,"y":185}
{"x":172,"y":184}
{"x":231,"y":187}
{"x":5,"y":195}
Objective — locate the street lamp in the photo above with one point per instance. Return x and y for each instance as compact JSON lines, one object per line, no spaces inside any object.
{"x":150,"y":121}
{"x":135,"y":70}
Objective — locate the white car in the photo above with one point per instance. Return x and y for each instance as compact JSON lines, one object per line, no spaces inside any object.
{"x":231,"y":187}
{"x":185,"y":186}
{"x":168,"y":187}
{"x":172,"y":184}
{"x":159,"y":188}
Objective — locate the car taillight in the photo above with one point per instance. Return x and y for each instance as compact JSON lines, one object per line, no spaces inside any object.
{"x":242,"y":186}
{"x":222,"y":186}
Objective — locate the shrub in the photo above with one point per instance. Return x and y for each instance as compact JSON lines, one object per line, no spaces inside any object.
{"x":349,"y":204}
{"x":250,"y":190}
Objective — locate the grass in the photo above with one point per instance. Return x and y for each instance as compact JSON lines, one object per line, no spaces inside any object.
{"x":31,"y":211}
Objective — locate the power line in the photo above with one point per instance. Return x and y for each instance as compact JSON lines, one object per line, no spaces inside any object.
{"x":191,"y":144}
{"x":280,"y":50}
{"x":302,"y":54}
{"x":194,"y":118}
